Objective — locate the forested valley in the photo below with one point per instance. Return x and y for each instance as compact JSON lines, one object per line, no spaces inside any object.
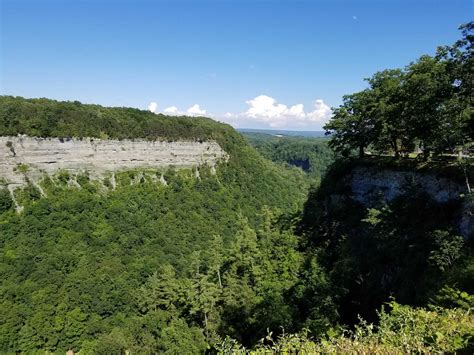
{"x":269,"y":253}
{"x":312,"y":155}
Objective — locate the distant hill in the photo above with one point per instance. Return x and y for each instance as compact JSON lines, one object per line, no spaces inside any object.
{"x":282,"y":132}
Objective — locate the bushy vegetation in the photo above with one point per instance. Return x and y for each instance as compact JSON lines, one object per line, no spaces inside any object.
{"x":401,"y":330}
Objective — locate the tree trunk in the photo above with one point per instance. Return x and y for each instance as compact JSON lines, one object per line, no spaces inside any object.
{"x":219,"y":277}
{"x":361,"y":151}
{"x":467,"y":179}
{"x":205,"y":324}
{"x":464,"y":167}
{"x":394,"y":145}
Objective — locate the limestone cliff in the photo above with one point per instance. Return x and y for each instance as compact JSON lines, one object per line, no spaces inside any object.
{"x":370,"y":185}
{"x":24,"y":157}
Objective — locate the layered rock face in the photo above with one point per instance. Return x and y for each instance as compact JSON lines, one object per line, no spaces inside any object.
{"x":25,"y":157}
{"x":369,"y":186}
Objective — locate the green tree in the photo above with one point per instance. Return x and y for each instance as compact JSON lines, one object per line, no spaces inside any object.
{"x":6,"y":201}
{"x":353,"y":125}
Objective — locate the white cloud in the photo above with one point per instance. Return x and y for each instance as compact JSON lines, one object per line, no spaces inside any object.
{"x":297,"y":111}
{"x":263,"y":111}
{"x":354,"y":18}
{"x":152,"y":106}
{"x":172,"y":110}
{"x":321,"y":112}
{"x":195,"y":110}
{"x":266,"y":110}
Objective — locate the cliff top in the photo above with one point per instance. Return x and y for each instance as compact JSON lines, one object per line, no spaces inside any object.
{"x":50,"y":118}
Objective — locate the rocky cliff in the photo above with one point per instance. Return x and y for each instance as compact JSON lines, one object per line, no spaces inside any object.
{"x":25,"y":158}
{"x":370,"y":185}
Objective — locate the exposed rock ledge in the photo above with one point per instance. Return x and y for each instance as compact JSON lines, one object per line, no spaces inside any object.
{"x":48,"y":155}
{"x":371,"y":185}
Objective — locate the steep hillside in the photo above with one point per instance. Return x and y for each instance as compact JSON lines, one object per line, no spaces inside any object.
{"x":385,"y":229}
{"x":255,"y":177}
{"x":85,"y":260}
{"x":387,"y":261}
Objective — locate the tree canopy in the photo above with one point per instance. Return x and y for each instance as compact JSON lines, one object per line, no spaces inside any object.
{"x":425,"y":107}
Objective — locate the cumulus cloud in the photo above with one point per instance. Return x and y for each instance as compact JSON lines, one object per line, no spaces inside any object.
{"x":195,"y":110}
{"x":297,"y":111}
{"x":265,"y":109}
{"x":152,"y":106}
{"x":321,"y":112}
{"x":172,"y":110}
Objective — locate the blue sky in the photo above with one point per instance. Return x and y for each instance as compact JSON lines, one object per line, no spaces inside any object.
{"x":278,"y":64}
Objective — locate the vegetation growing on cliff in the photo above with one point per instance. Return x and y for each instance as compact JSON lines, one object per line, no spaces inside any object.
{"x":144,"y":265}
{"x":51,"y":118}
{"x":412,"y":240}
{"x":402,"y":329}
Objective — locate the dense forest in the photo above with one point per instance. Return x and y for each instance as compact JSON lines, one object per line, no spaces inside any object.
{"x":246,"y":258}
{"x":312,"y":155}
{"x":89,"y":259}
